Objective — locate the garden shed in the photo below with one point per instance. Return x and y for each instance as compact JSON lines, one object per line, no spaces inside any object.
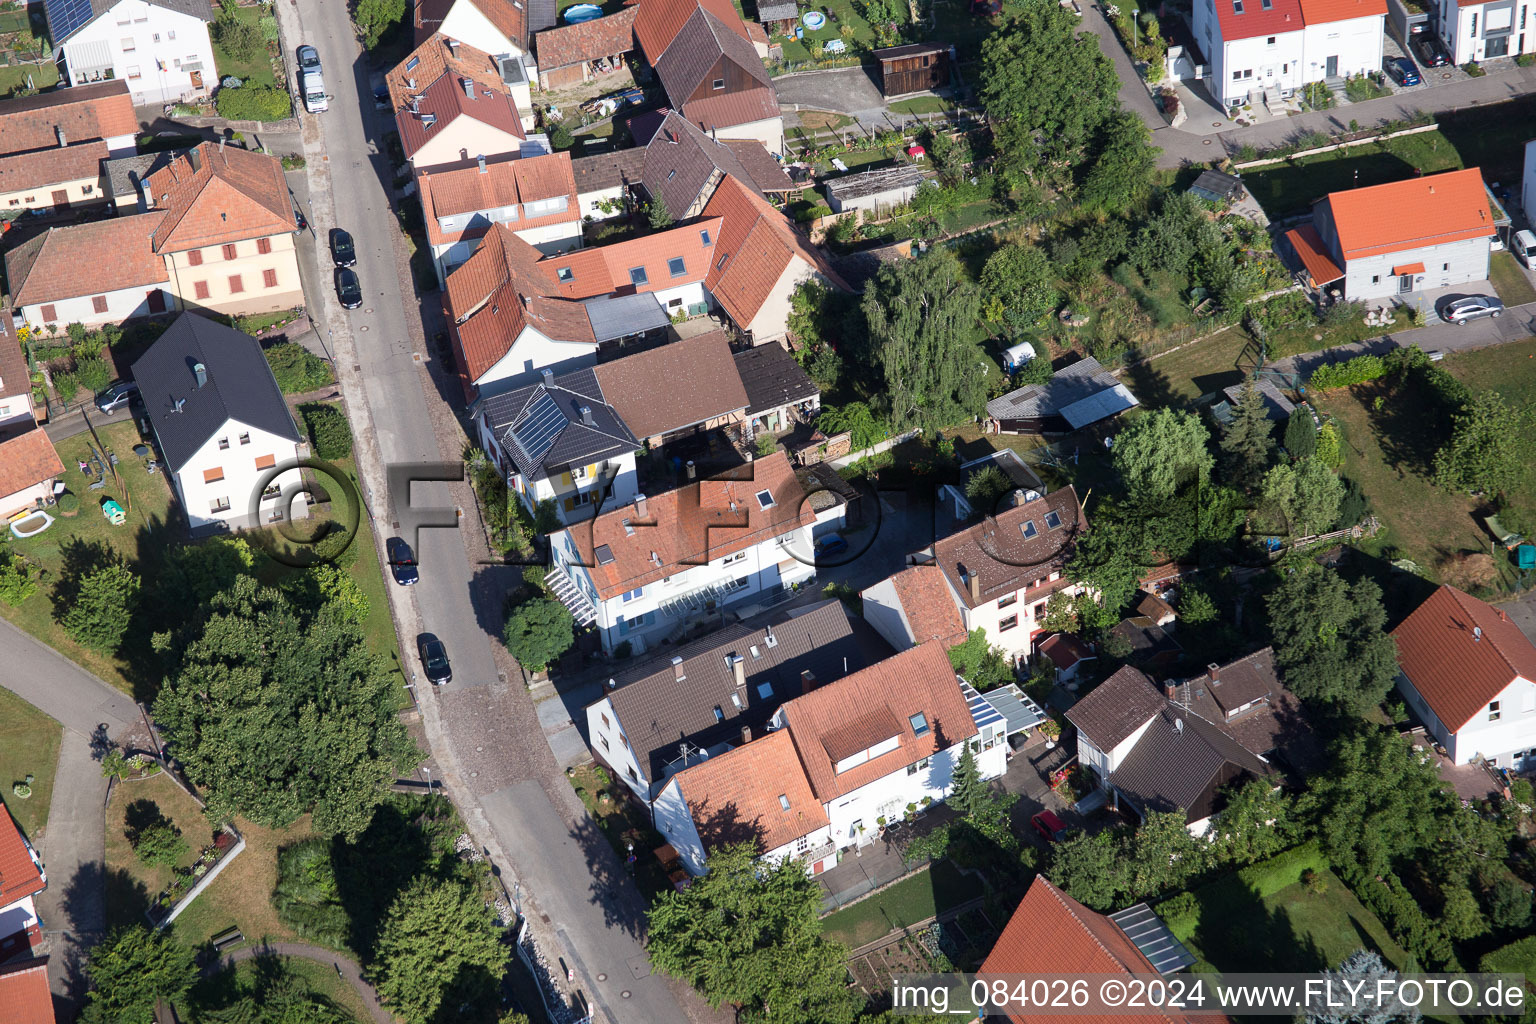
{"x":916,"y":67}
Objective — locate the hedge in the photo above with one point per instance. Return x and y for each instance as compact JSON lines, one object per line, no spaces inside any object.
{"x":1256,"y":881}
{"x":253,"y":103}
{"x":297,"y":369}
{"x":1342,"y":375}
{"x":1519,"y":957}
{"x":1414,"y":930}
{"x":328,"y":430}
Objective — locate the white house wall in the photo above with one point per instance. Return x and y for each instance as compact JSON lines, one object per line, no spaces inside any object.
{"x":1029,"y":610}
{"x":1513,"y":730}
{"x":1467,"y":35}
{"x":882,"y":610}
{"x":769,"y":131}
{"x":239,"y":480}
{"x":457,"y":143}
{"x":1105,"y":762}
{"x":1370,"y":277}
{"x":142,"y":38}
{"x":531,"y":353}
{"x":592,"y":203}
{"x":1355,"y":42}
{"x":123,"y":304}
{"x":772,"y":319}
{"x":889,"y":795}
{"x":612,"y":746}
{"x":1260,"y":63}
{"x":466,"y":24}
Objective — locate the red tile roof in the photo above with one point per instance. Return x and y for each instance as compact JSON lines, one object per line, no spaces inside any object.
{"x":1410,"y":214}
{"x":24,"y":994}
{"x":857,"y":712}
{"x":1051,"y":933}
{"x":118,"y":252}
{"x":83,"y":112}
{"x":700,"y":522}
{"x":736,"y":796}
{"x":1313,"y":251}
{"x":502,"y":183}
{"x":693,"y":56}
{"x":659,"y":22}
{"x":1317,"y":12}
{"x":509,"y":18}
{"x":674,"y":386}
{"x":605,"y":269}
{"x":1259,"y":18}
{"x":728,"y":109}
{"x":19,"y":873}
{"x":27,"y":459}
{"x":929,"y":605}
{"x":1000,"y":553}
{"x":1456,"y":673}
{"x":439,"y":76}
{"x":1064,"y":650}
{"x":212,"y":195}
{"x":589,"y":40}
{"x":51,"y":166}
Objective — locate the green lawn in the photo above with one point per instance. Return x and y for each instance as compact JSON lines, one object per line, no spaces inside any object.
{"x":315,"y":978}
{"x":253,"y":72}
{"x":923,"y":105}
{"x":14,"y":76}
{"x":1509,"y":280}
{"x":241,"y":897}
{"x":1180,"y":377}
{"x":926,"y":893}
{"x":131,"y":884}
{"x":1291,"y":187}
{"x":29,"y":745}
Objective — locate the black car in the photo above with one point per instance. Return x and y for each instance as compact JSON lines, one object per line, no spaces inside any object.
{"x":348,"y":290}
{"x":402,"y":561}
{"x":117,"y":396}
{"x":309,"y":58}
{"x":343,"y":252}
{"x":1402,"y":70}
{"x":1428,"y":51}
{"x":434,"y":660}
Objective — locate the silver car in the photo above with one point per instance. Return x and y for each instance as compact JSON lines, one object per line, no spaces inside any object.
{"x":1473,"y":307}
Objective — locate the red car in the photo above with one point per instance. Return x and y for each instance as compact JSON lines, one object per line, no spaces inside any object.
{"x":1050,"y":827}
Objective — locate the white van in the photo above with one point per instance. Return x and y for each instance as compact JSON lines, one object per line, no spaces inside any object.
{"x":1524,"y":245}
{"x":313,"y":89}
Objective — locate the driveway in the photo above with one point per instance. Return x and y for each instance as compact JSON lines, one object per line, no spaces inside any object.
{"x":842,"y":91}
{"x":1514,"y":325}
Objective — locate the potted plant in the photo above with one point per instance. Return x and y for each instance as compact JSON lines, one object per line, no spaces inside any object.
{"x":1051,"y":730}
{"x":880,"y":821}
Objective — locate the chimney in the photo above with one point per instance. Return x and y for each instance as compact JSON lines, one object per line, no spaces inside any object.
{"x":746,"y":734}
{"x":639,"y":506}
{"x":548,"y":375}
{"x":59,"y":131}
{"x":481,"y":161}
{"x":677,"y":668}
{"x":973,"y":586}
{"x":469,"y":87}
{"x":586,"y":415}
{"x":222,"y":140}
{"x":693,"y":471}
{"x":1211,"y":670}
{"x":739,"y":670}
{"x":1168,"y":690}
{"x":453,"y":46}
{"x":201,"y":373}
{"x":807,"y":681}
{"x":195,"y":158}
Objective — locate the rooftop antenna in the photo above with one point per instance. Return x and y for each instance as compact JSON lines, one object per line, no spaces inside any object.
{"x":1178,"y":726}
{"x":179,"y":403}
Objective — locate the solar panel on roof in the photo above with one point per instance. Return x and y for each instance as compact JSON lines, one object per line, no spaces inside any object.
{"x":536,"y":431}
{"x":65,"y":16}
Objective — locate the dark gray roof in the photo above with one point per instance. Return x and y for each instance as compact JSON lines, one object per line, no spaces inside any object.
{"x":909,"y":50}
{"x":1276,"y":723}
{"x":1146,"y":637}
{"x":541,"y":15}
{"x":608,"y":170}
{"x":1116,"y":708}
{"x":778,"y":11}
{"x":658,"y":712}
{"x":125,"y":173}
{"x":1177,"y":759}
{"x":1216,"y":186}
{"x":1276,"y":405}
{"x":1069,"y":385}
{"x":66,"y":17}
{"x":683,"y":165}
{"x":619,"y":316}
{"x":240,"y":387}
{"x":1248,"y":679}
{"x":541,"y":425}
{"x":772,"y":378}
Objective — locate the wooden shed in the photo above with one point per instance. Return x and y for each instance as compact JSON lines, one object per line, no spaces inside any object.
{"x":916,"y":67}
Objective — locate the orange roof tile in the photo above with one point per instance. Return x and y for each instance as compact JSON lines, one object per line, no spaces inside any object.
{"x":929,"y":605}
{"x":705,"y":520}
{"x":659,"y":21}
{"x":1267,"y":18}
{"x":502,"y":183}
{"x":1456,"y":673}
{"x":739,"y":796}
{"x":212,"y":195}
{"x":839,"y":720}
{"x":1313,"y":252}
{"x":589,"y":40}
{"x":83,"y":112}
{"x":24,"y":994}
{"x":729,"y":109}
{"x":435,"y":81}
{"x":1410,"y":214}
{"x":1317,"y":12}
{"x":20,"y":876}
{"x":606,"y":269}
{"x":119,"y":252}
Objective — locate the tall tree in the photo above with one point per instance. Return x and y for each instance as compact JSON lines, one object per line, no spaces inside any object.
{"x":1021,"y":278}
{"x":1108,"y":560}
{"x":133,"y":969}
{"x":1092,"y":869}
{"x":1300,"y":434}
{"x":538,"y":632}
{"x":275,"y":715}
{"x":1257,"y":822}
{"x":1303,"y":497}
{"x":922,"y":315}
{"x":1163,"y":854}
{"x":1246,"y":444}
{"x":1159,"y":451}
{"x":1364,"y":970}
{"x":438,"y":948}
{"x":102,"y":608}
{"x":1490,"y":447}
{"x":1120,"y":173}
{"x":748,"y":934}
{"x":1330,"y":645}
{"x":968,"y":792}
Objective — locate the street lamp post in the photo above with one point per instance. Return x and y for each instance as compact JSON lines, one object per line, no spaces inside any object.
{"x":1136,"y":26}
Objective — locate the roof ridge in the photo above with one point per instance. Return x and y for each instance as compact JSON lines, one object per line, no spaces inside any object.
{"x":1456,"y":595}
{"x":1066,"y":904}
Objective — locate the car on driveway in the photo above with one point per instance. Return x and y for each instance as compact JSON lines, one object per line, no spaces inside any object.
{"x":830,"y":545}
{"x":348,"y":289}
{"x":343,"y":251}
{"x":402,"y":561}
{"x":117,"y":396}
{"x":1427,"y":51}
{"x":434,"y":660}
{"x":1402,"y":70}
{"x":1471,"y":307}
{"x":1051,"y":828}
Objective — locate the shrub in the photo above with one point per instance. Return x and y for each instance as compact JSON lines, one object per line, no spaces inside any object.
{"x":16,"y":584}
{"x":1330,"y":452}
{"x":328,"y":430}
{"x":297,"y":369}
{"x":1268,"y":877}
{"x":69,"y":503}
{"x":294,"y":162}
{"x":307,"y":897}
{"x":1346,"y":374}
{"x":99,"y":616}
{"x":93,"y":373}
{"x":237,"y":37}
{"x":253,"y":103}
{"x":538,"y":632}
{"x":159,"y":842}
{"x":375,"y":17}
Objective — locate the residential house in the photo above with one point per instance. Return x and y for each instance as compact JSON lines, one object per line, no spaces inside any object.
{"x":1001,"y":572}
{"x":1016,"y":472}
{"x":29,"y":466}
{"x":1469,"y":674}
{"x":534,"y":196}
{"x":52,"y":145}
{"x":222,"y":427}
{"x":684,"y":166}
{"x":1254,"y":46}
{"x":915,"y":67}
{"x":1149,"y":634}
{"x":24,"y":994}
{"x":1050,"y":933}
{"x":1406,"y":236}
{"x":15,"y":380}
{"x":1247,"y":701}
{"x":1473,"y":31}
{"x":670,"y":267}
{"x":708,"y":63}
{"x":1066,"y":653}
{"x":452,"y":105}
{"x":715,"y":693}
{"x":873,"y":191}
{"x":502,"y":28}
{"x":215,"y":231}
{"x":573,"y":54}
{"x":863,"y":751}
{"x":21,"y":878}
{"x":560,"y":441}
{"x":160,"y":48}
{"x":644,"y":572}
{"x":606,"y":182}
{"x":1342,"y":38}
{"x":913,"y":607}
{"x":1075,"y":397}
{"x":779,"y":393}
{"x":678,"y":392}
{"x":1154,"y":754}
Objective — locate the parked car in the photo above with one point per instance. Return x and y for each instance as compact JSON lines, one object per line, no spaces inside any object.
{"x":1402,"y":70}
{"x":434,"y":660}
{"x":312,"y":86}
{"x":831,"y":544}
{"x":348,"y":289}
{"x":117,"y":396}
{"x":1427,"y":51}
{"x":402,"y":561}
{"x":309,"y":58}
{"x":1051,"y":828}
{"x":343,"y":251}
{"x":1472,"y":307}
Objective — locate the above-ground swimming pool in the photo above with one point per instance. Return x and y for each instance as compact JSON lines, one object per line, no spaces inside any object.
{"x":582,"y":12}
{"x":31,"y":525}
{"x":813,"y":20}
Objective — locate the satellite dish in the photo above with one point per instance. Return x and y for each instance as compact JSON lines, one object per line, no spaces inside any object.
{"x":1477,"y":633}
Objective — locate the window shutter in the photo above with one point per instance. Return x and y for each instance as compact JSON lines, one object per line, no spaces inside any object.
{"x":235,"y":284}
{"x":49,"y":314}
{"x":269,"y":278}
{"x":214,"y":474}
{"x":195,"y":258}
{"x":230,"y":251}
{"x":200,"y":289}
{"x":263,"y":245}
{"x":266,"y":461}
{"x":99,"y":303}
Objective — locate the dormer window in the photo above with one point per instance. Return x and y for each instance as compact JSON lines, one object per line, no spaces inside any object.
{"x":919,"y":723}
{"x":1028,"y":529}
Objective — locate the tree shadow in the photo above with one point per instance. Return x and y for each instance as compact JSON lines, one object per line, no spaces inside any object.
{"x":1235,"y":923}
{"x":1152,"y":387}
{"x":472,"y":995}
{"x":127,"y":897}
{"x":139,"y":815}
{"x":1410,"y":423}
{"x":397,"y":847}
{"x":612,"y":887}
{"x":80,"y":559}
